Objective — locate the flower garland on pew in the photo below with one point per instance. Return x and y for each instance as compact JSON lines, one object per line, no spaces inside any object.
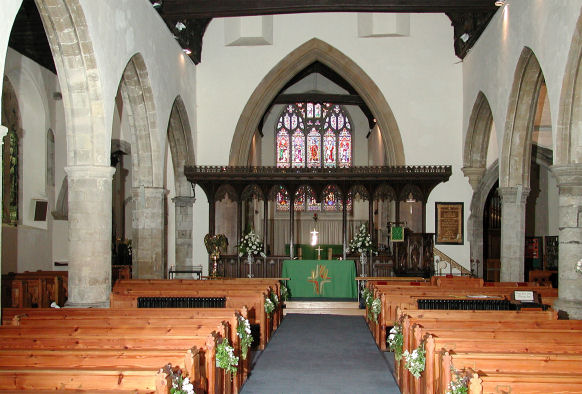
{"x":374,"y":304}
{"x":269,"y":306}
{"x":180,"y":384}
{"x":284,"y":292}
{"x":415,"y":361}
{"x":275,"y":299}
{"x":459,"y":385}
{"x":225,"y":357}
{"x":243,"y":330}
{"x":395,"y":341}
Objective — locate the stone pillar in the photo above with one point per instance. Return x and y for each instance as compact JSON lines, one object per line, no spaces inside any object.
{"x":3,"y":132}
{"x":513,"y":201}
{"x":570,"y":235}
{"x":89,"y":235}
{"x":183,"y":233}
{"x":148,"y":238}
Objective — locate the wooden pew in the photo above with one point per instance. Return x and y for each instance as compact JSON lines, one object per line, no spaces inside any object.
{"x":525,"y":383}
{"x":235,"y":298}
{"x":517,"y":363}
{"x":83,"y":319}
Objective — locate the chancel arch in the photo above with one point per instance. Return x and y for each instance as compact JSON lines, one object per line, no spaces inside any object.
{"x":312,"y":51}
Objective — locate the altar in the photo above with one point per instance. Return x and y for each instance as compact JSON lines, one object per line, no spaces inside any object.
{"x":321,"y":278}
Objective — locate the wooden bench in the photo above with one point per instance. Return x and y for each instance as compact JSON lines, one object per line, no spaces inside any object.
{"x":133,"y":338}
{"x":516,"y":363}
{"x":525,"y":383}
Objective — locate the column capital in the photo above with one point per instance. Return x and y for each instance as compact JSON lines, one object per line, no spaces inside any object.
{"x":568,"y":175}
{"x":91,"y":172}
{"x":184,"y":201}
{"x":514,"y":194}
{"x":475,"y":174}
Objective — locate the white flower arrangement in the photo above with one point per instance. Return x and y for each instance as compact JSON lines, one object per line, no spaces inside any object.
{"x":579,"y":266}
{"x":225,"y":357}
{"x":250,"y":244}
{"x":180,"y":385}
{"x":243,"y":331}
{"x":415,"y":361}
{"x":459,"y":385}
{"x":269,"y":306}
{"x":362,"y":241}
{"x":274,"y":298}
{"x":374,"y":309}
{"x":284,"y":292}
{"x":395,"y":341}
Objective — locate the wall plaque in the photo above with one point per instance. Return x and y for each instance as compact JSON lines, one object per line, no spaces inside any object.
{"x":449,"y":227}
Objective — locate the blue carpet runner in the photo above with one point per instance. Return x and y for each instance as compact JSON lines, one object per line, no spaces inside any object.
{"x":321,"y":354}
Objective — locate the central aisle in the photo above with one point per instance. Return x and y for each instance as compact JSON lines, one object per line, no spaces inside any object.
{"x":321,"y":354}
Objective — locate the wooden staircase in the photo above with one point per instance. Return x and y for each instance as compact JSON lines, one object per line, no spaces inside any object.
{"x":345,"y":308}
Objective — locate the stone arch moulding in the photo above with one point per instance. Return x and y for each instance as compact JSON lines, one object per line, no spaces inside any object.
{"x":79,"y":80}
{"x":515,"y":157}
{"x":311,"y":51}
{"x":478,"y":134}
{"x":181,"y":145}
{"x":569,"y":125}
{"x":146,"y":154}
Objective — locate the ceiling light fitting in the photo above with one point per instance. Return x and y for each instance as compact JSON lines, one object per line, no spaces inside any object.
{"x":187,"y":51}
{"x":464,"y":37}
{"x":500,"y":3}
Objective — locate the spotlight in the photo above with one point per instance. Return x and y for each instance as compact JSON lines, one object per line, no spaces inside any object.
{"x":464,"y":37}
{"x":187,"y":51}
{"x":500,"y":3}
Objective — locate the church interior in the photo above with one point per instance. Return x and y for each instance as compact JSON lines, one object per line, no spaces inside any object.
{"x":219,"y":157}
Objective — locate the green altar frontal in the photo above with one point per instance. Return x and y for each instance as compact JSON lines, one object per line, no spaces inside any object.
{"x":321,"y":278}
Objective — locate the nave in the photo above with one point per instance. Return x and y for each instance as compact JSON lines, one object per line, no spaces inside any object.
{"x":320,"y":353}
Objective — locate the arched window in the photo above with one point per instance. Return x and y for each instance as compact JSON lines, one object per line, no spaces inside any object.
{"x":313,"y":135}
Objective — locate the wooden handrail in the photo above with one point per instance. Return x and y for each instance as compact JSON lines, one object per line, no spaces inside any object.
{"x":452,"y":263}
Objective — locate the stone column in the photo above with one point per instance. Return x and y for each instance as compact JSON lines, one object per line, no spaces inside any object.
{"x":148,"y":238}
{"x":3,"y":132}
{"x":183,"y":233}
{"x":569,"y":179}
{"x":513,"y":201}
{"x":89,"y":235}
{"x":474,"y":223}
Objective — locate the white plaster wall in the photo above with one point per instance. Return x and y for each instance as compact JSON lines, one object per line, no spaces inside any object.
{"x":546,"y":27}
{"x":419,"y":76}
{"x":34,"y":87}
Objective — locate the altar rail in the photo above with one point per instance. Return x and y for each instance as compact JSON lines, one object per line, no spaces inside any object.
{"x":232,"y":266}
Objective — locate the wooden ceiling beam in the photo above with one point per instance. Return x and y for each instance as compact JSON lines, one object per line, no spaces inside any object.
{"x":227,"y":8}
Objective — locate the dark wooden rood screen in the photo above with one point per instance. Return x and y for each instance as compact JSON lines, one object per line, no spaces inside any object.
{"x":395,"y":182}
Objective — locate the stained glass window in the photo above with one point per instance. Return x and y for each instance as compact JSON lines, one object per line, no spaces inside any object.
{"x":345,"y":149}
{"x":283,"y":149}
{"x":313,"y":135}
{"x":314,"y":149}
{"x":298,"y":149}
{"x":329,"y":152}
{"x":282,"y":200}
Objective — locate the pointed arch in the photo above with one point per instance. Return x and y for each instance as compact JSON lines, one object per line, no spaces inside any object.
{"x":478,"y":134}
{"x":146,"y":154}
{"x":311,"y":51}
{"x":569,"y":125}
{"x":68,"y":35}
{"x":515,"y":165}
{"x":181,"y":145}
